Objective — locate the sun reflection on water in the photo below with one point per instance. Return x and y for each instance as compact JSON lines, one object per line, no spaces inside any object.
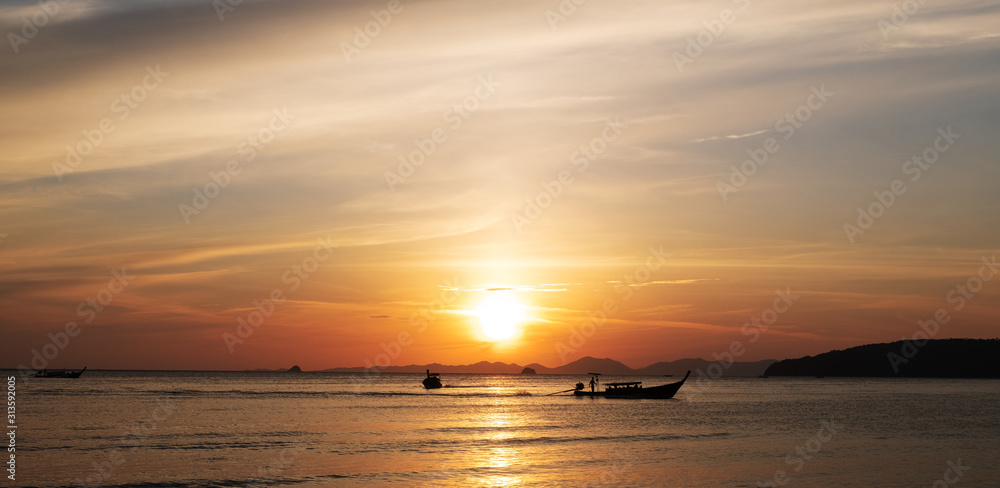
{"x":501,"y":461}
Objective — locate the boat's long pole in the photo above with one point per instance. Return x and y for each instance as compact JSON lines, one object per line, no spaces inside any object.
{"x":558,"y":392}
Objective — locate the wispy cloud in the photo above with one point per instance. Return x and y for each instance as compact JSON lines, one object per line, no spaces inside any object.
{"x":731,"y":136}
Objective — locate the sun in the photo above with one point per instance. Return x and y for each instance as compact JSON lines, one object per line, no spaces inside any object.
{"x":499,"y":315}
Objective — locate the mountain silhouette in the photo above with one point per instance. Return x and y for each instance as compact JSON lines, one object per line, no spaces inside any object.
{"x":583,"y":365}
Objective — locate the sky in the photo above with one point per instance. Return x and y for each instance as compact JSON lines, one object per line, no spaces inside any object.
{"x":256,"y":184}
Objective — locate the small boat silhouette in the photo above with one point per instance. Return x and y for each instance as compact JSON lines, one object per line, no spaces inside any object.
{"x":432,"y":381}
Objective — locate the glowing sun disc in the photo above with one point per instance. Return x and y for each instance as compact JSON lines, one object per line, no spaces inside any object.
{"x":499,"y":314}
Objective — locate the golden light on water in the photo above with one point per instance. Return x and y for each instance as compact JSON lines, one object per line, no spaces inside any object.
{"x":499,"y":459}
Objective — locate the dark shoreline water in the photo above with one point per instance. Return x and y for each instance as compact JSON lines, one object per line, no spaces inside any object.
{"x":204,"y":429}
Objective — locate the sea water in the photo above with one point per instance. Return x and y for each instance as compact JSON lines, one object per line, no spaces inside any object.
{"x":211,"y":429}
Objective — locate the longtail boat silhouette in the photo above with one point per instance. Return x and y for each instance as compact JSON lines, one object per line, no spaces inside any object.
{"x":58,"y":373}
{"x":629,"y":389}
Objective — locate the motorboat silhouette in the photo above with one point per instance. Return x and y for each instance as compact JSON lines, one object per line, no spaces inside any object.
{"x":432,"y":381}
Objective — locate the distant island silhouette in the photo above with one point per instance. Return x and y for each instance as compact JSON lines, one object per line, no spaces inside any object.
{"x":580,"y":366}
{"x":936,"y":358}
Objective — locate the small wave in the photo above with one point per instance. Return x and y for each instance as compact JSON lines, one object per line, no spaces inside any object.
{"x":470,"y":440}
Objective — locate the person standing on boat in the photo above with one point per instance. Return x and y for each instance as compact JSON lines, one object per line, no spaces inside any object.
{"x":592,"y":383}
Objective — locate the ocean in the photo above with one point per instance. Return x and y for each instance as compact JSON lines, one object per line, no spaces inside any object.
{"x":223,"y":429}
